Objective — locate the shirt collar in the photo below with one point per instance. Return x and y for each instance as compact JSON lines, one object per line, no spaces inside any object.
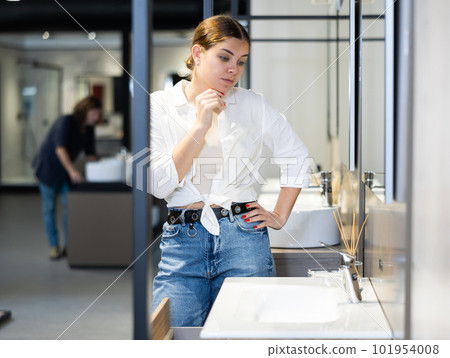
{"x":179,"y":99}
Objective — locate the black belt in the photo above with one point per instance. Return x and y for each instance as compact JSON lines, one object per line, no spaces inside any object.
{"x":192,"y":216}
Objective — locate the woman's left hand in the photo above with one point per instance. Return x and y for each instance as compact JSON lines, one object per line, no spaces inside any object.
{"x":267,"y":218}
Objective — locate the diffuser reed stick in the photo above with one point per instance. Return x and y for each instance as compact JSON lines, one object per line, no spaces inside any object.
{"x":342,"y":234}
{"x":351,"y":247}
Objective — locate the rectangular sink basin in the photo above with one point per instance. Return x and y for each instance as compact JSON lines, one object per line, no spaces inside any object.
{"x":293,"y":308}
{"x":261,"y":303}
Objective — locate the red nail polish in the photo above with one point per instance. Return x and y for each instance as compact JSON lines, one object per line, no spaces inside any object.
{"x":247,"y":205}
{"x":247,"y":220}
{"x":244,"y":216}
{"x":254,"y":227}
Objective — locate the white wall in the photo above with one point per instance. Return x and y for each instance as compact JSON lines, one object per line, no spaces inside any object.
{"x":413,"y":240}
{"x":167,"y":60}
{"x":430,"y":279}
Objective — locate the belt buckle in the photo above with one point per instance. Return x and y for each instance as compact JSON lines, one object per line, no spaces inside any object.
{"x":224,"y":212}
{"x":237,"y":209}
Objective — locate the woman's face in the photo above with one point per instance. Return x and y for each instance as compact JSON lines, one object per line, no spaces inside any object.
{"x":93,"y":116}
{"x":221,"y":66}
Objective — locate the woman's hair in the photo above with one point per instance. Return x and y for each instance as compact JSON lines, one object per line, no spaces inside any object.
{"x":216,"y":29}
{"x":83,"y":106}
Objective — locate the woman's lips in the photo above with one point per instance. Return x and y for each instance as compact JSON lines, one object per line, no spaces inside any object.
{"x":227,"y":80}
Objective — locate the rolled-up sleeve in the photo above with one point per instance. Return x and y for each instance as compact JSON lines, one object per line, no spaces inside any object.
{"x":288,"y":150}
{"x":163,"y":173}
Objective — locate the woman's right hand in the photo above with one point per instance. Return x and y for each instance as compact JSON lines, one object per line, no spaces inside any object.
{"x":76,"y":176}
{"x":206,"y":103}
{"x":190,"y":146}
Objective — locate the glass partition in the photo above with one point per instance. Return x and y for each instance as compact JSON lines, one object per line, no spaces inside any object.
{"x":42,"y":78}
{"x":27,"y":118}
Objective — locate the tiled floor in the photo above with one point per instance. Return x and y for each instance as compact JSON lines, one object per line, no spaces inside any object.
{"x":47,"y":298}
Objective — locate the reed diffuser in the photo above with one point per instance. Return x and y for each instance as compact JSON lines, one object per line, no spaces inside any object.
{"x":351,"y":244}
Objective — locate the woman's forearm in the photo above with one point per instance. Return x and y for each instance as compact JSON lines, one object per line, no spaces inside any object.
{"x":64,"y":158}
{"x":66,"y":162}
{"x":285,"y":203}
{"x":206,"y":103}
{"x":187,"y":149}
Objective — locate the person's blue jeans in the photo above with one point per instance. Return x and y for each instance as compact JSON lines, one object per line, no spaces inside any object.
{"x":192,"y":269}
{"x":49,"y":196}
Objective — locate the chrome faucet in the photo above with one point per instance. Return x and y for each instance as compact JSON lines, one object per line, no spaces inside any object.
{"x":327,"y":191}
{"x":347,"y":263}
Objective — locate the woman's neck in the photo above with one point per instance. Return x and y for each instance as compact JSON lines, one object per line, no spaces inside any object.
{"x":192,"y":90}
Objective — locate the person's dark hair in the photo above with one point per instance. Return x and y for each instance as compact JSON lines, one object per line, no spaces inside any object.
{"x":216,"y":29}
{"x":83,"y":106}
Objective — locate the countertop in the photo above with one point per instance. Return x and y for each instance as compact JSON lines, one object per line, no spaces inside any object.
{"x":100,"y":187}
{"x":294,"y":308}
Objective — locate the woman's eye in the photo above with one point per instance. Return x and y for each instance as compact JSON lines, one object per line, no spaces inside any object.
{"x":241,"y":63}
{"x":224,"y":58}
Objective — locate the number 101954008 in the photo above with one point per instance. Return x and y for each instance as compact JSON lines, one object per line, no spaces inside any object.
{"x":405,"y":349}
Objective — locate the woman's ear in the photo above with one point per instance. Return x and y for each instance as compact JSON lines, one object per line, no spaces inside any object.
{"x":196,"y":52}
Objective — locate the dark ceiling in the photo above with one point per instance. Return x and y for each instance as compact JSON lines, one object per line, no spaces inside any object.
{"x":97,"y":15}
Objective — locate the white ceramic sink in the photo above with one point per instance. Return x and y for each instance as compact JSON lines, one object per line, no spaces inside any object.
{"x":105,"y":170}
{"x":294,"y":307}
{"x":261,"y":303}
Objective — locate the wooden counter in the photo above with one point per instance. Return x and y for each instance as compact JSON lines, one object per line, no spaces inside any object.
{"x":100,"y":228}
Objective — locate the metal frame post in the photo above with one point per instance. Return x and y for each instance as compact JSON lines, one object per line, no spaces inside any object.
{"x":208,"y":8}
{"x":142,"y":34}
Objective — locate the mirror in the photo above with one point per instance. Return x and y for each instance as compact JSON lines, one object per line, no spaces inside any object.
{"x":342,"y":59}
{"x":375,"y":108}
{"x":301,"y":66}
{"x":102,"y":87}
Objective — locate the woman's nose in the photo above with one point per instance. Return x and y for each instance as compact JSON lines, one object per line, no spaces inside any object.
{"x":232,"y":69}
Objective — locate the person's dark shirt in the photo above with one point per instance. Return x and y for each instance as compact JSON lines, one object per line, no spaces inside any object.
{"x":65,"y":132}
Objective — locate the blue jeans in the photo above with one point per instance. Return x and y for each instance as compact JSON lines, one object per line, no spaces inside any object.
{"x":192,"y":269}
{"x":49,"y":204}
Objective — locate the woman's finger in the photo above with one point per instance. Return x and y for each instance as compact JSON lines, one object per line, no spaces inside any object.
{"x":252,"y":205}
{"x":211,"y":103}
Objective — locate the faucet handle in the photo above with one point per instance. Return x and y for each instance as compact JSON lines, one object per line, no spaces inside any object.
{"x":345,"y":255}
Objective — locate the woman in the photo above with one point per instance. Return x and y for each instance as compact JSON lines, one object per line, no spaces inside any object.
{"x":206,"y":143}
{"x":54,"y":164}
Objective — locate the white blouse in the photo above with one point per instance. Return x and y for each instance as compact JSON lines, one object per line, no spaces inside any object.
{"x":209,"y":161}
{"x":246,"y":124}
